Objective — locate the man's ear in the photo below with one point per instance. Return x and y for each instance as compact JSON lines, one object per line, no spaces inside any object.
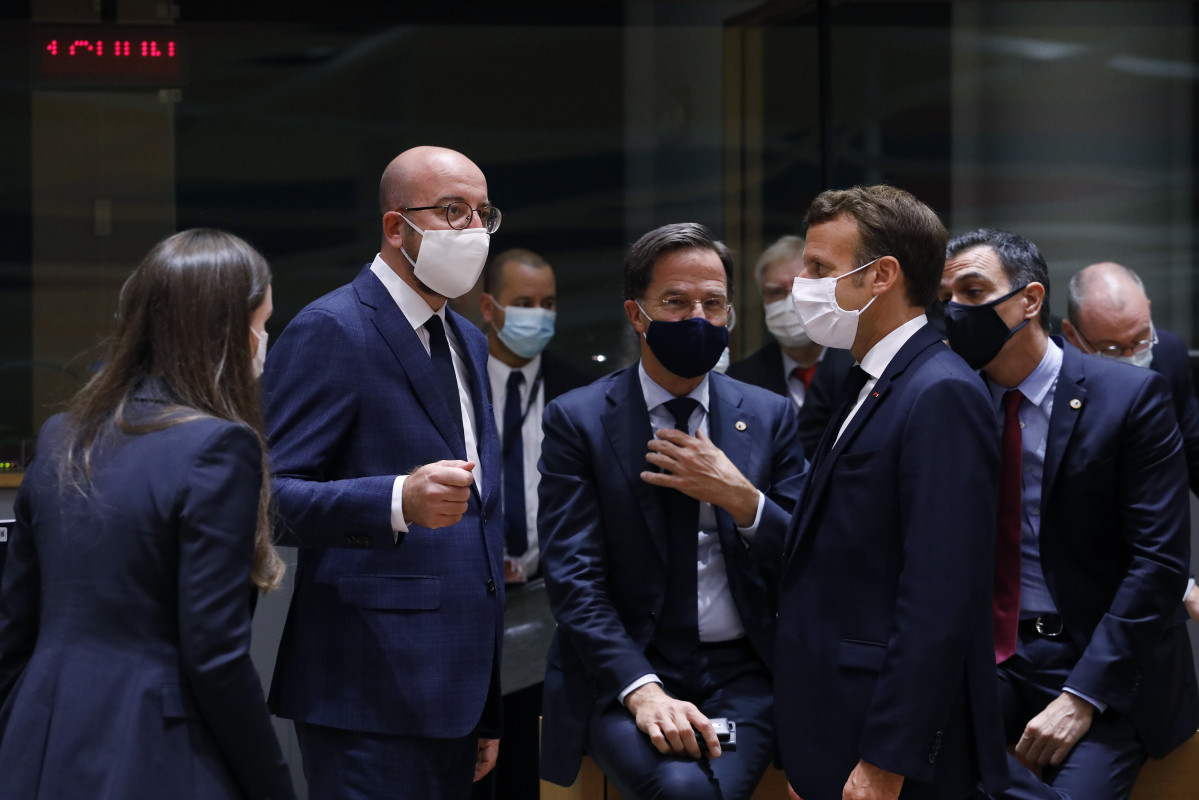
{"x":1071,"y":333}
{"x":393,"y":229}
{"x":1034,"y":296}
{"x":636,"y":318}
{"x":886,"y":274}
{"x":487,"y":307}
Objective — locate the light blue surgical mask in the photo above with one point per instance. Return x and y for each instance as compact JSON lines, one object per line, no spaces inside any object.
{"x":526,"y":331}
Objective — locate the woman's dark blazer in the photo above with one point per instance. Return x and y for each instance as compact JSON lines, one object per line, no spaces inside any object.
{"x":125,"y":667}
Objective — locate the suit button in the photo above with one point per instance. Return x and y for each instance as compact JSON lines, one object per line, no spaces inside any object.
{"x":491,"y":584}
{"x":653,"y":617}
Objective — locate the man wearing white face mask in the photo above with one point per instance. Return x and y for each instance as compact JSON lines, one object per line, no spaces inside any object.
{"x":386,"y":463}
{"x":885,"y":675}
{"x":1108,"y":314}
{"x":788,"y":365}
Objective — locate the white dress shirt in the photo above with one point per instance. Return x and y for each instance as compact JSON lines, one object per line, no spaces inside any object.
{"x":715,"y":610}
{"x":530,"y":435}
{"x":417,"y":312}
{"x":878,"y":358}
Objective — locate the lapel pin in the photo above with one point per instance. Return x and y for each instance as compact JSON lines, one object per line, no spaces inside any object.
{"x":739,"y":425}
{"x":1075,"y":404}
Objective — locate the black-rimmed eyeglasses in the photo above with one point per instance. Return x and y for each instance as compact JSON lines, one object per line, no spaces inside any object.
{"x":459,"y":214}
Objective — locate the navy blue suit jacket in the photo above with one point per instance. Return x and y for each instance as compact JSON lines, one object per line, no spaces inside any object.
{"x":384,"y":637}
{"x":1115,"y":543}
{"x":1172,"y":359}
{"x":125,"y":664}
{"x":764,"y":368}
{"x":885,"y":650}
{"x":603,"y":540}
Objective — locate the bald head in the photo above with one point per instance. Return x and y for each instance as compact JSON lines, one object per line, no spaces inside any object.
{"x":1107,"y":306}
{"x":415,"y":172}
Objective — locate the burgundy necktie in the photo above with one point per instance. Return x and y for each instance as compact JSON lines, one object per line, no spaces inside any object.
{"x":1006,"y":608}
{"x":804,"y":375}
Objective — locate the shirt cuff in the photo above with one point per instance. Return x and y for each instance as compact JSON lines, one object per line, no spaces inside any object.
{"x":1100,"y":707}
{"x":748,"y":533}
{"x":1190,"y":585}
{"x":398,"y":525}
{"x":637,"y":684}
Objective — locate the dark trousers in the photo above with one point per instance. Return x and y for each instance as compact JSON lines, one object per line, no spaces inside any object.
{"x":1105,"y":762}
{"x":722,"y":681}
{"x":516,"y":774}
{"x":353,"y":765}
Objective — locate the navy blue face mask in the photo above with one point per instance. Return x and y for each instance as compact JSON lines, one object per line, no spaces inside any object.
{"x":687,"y":348}
{"x":978,"y":333}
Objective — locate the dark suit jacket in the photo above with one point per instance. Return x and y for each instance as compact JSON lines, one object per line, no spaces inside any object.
{"x":1115,"y":542}
{"x":1171,"y":358}
{"x":885,"y":615}
{"x":386,"y":637}
{"x":765,"y":368}
{"x":603,"y":547}
{"x":125,"y":623}
{"x":560,"y":375}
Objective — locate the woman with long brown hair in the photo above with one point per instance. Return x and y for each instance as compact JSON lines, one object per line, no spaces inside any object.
{"x":142,"y":532}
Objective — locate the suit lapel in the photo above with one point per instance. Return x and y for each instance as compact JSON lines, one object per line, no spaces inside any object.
{"x":626,"y":423}
{"x":406,"y":346}
{"x":736,"y":442}
{"x":1069,"y":398}
{"x":818,"y":479}
{"x":476,"y":367}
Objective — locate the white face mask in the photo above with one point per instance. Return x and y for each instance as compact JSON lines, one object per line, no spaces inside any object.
{"x":784,"y":324}
{"x":259,"y":362}
{"x":450,"y":261}
{"x":1141,"y":359}
{"x":824,"y":320}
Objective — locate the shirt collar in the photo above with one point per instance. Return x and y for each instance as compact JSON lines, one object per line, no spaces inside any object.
{"x":655,"y":395}
{"x":498,"y":371}
{"x":1039,"y":382}
{"x":413,"y":306}
{"x":878,"y":357}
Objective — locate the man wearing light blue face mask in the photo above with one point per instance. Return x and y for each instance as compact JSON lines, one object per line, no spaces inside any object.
{"x":1108,"y":314}
{"x":519,"y":305}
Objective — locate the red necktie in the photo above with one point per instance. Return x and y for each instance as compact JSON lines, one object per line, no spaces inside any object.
{"x":804,"y":374}
{"x":1006,"y":608}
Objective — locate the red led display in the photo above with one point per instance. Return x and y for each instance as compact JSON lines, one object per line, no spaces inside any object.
{"x":109,"y":53}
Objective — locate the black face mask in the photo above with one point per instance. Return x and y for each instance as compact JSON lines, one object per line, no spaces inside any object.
{"x":978,"y":333}
{"x":687,"y":348}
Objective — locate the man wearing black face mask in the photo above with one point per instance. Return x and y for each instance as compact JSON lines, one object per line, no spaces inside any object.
{"x":1092,"y":537}
{"x":665,"y":492}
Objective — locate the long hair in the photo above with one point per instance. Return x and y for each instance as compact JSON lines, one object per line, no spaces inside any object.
{"x":184,"y":319}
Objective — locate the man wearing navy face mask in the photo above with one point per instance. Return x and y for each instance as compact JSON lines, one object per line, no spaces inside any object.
{"x":1092,"y":537}
{"x":665,"y":492}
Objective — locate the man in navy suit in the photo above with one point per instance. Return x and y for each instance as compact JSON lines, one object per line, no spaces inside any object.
{"x":885,"y":678}
{"x":1108,"y":314}
{"x":791,"y":364}
{"x":386,"y":463}
{"x":1097,"y":672}
{"x":665,"y":492}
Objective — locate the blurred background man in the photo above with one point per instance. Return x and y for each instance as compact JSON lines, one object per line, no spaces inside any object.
{"x":519,"y":308}
{"x":792,"y":364}
{"x":1108,"y":313}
